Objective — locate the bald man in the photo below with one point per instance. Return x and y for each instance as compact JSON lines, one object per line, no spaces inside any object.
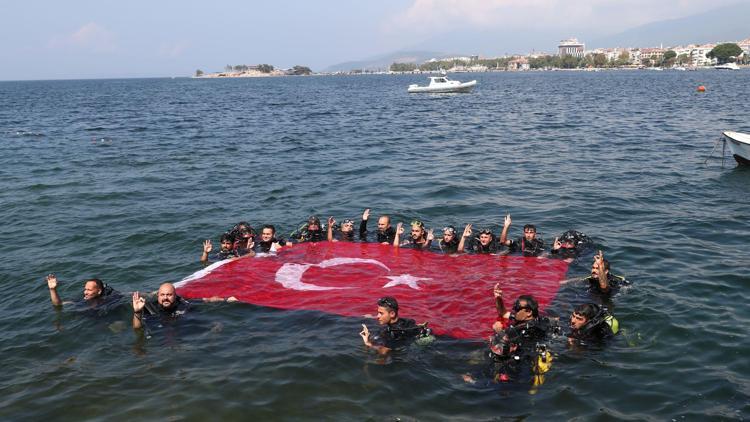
{"x":166,"y":304}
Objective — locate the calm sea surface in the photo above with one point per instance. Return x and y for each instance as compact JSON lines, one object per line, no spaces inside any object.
{"x":123,"y":179}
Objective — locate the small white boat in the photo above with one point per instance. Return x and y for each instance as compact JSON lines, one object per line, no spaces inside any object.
{"x":739,"y":144}
{"x":727,"y":66}
{"x":441,"y":84}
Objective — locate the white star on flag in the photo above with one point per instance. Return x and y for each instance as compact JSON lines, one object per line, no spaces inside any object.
{"x":406,"y":279}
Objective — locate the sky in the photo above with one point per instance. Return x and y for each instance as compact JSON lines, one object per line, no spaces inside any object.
{"x":78,"y":39}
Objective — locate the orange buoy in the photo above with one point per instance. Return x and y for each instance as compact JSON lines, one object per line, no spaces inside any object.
{"x":701,"y":88}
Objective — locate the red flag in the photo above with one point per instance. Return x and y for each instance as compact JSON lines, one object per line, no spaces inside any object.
{"x":453,"y":293}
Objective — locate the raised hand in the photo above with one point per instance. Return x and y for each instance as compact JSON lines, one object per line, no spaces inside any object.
{"x":557,"y":244}
{"x":497,"y":291}
{"x":430,"y":236}
{"x":467,"y":231}
{"x":207,"y":247}
{"x":366,"y":214}
{"x":138,"y":302}
{"x":507,"y":221}
{"x":365,"y":333}
{"x":51,"y":281}
{"x":331,"y":221}
{"x":400,"y":229}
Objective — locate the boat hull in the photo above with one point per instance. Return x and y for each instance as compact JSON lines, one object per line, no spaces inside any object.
{"x":464,"y":87}
{"x":739,"y":144}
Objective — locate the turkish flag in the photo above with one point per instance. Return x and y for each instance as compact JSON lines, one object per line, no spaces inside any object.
{"x":452,"y":293}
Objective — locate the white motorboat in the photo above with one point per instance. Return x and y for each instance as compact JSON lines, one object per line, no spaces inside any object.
{"x":727,"y":66}
{"x":441,"y":84}
{"x":739,"y":144}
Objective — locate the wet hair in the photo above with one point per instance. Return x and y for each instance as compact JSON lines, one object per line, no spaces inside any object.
{"x":606,"y":265}
{"x":531,"y":303}
{"x":313,"y":220}
{"x":529,"y":227}
{"x":99,"y":283}
{"x":587,"y":310}
{"x":269,"y":226}
{"x":389,"y":303}
{"x":387,"y":217}
{"x":228,"y":237}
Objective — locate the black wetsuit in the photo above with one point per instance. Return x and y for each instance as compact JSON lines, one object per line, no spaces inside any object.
{"x":612,"y":282}
{"x":492,"y":247}
{"x":595,"y":332}
{"x":345,"y":237}
{"x":265,"y":247}
{"x":305,"y":235}
{"x":221,"y":255}
{"x":526,"y":336}
{"x":414,"y":244}
{"x":385,"y":237}
{"x":154,"y":310}
{"x":397,"y":334}
{"x":449,"y":247}
{"x":527,"y":248}
{"x":102,"y":304}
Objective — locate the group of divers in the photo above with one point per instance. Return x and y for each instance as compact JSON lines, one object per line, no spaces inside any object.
{"x":520,"y":333}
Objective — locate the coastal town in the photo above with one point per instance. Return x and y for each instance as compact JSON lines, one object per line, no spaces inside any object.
{"x":571,"y":55}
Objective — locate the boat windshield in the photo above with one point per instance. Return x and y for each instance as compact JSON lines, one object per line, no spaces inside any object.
{"x":439,"y":80}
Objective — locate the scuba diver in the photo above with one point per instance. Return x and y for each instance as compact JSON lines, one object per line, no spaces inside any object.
{"x":338,"y":232}
{"x":517,"y":346}
{"x":591,"y":324}
{"x":485,"y":242}
{"x":268,"y":241}
{"x":419,"y":237}
{"x":311,"y":231}
{"x":449,"y":243}
{"x":166,"y":304}
{"x":528,"y":244}
{"x":601,"y":282}
{"x":244,"y":238}
{"x":570,"y":245}
{"x":385,"y":233}
{"x":395,"y":331}
{"x":227,"y":250}
{"x":96,"y":293}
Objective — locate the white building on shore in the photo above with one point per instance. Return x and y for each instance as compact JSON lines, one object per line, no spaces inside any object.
{"x":571,"y":47}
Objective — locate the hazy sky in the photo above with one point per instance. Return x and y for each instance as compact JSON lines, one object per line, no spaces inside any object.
{"x":100,"y":38}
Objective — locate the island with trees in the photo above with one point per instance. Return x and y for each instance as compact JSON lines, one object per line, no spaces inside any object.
{"x":253,"y":71}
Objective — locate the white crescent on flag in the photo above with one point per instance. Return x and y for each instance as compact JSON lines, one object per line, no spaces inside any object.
{"x":290,"y":274}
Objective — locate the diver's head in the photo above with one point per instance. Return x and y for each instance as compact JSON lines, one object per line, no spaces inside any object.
{"x":595,"y":270}
{"x":245,"y":233}
{"x":387,"y":310}
{"x":347,"y":226}
{"x":449,"y":233}
{"x":166,"y":296}
{"x":417,"y":230}
{"x":485,"y":237}
{"x":525,"y":308}
{"x":92,"y":288}
{"x":384,"y":222}
{"x":529,"y":232}
{"x":227,"y":242}
{"x":313,"y":224}
{"x":582,"y":314}
{"x":267,"y":232}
